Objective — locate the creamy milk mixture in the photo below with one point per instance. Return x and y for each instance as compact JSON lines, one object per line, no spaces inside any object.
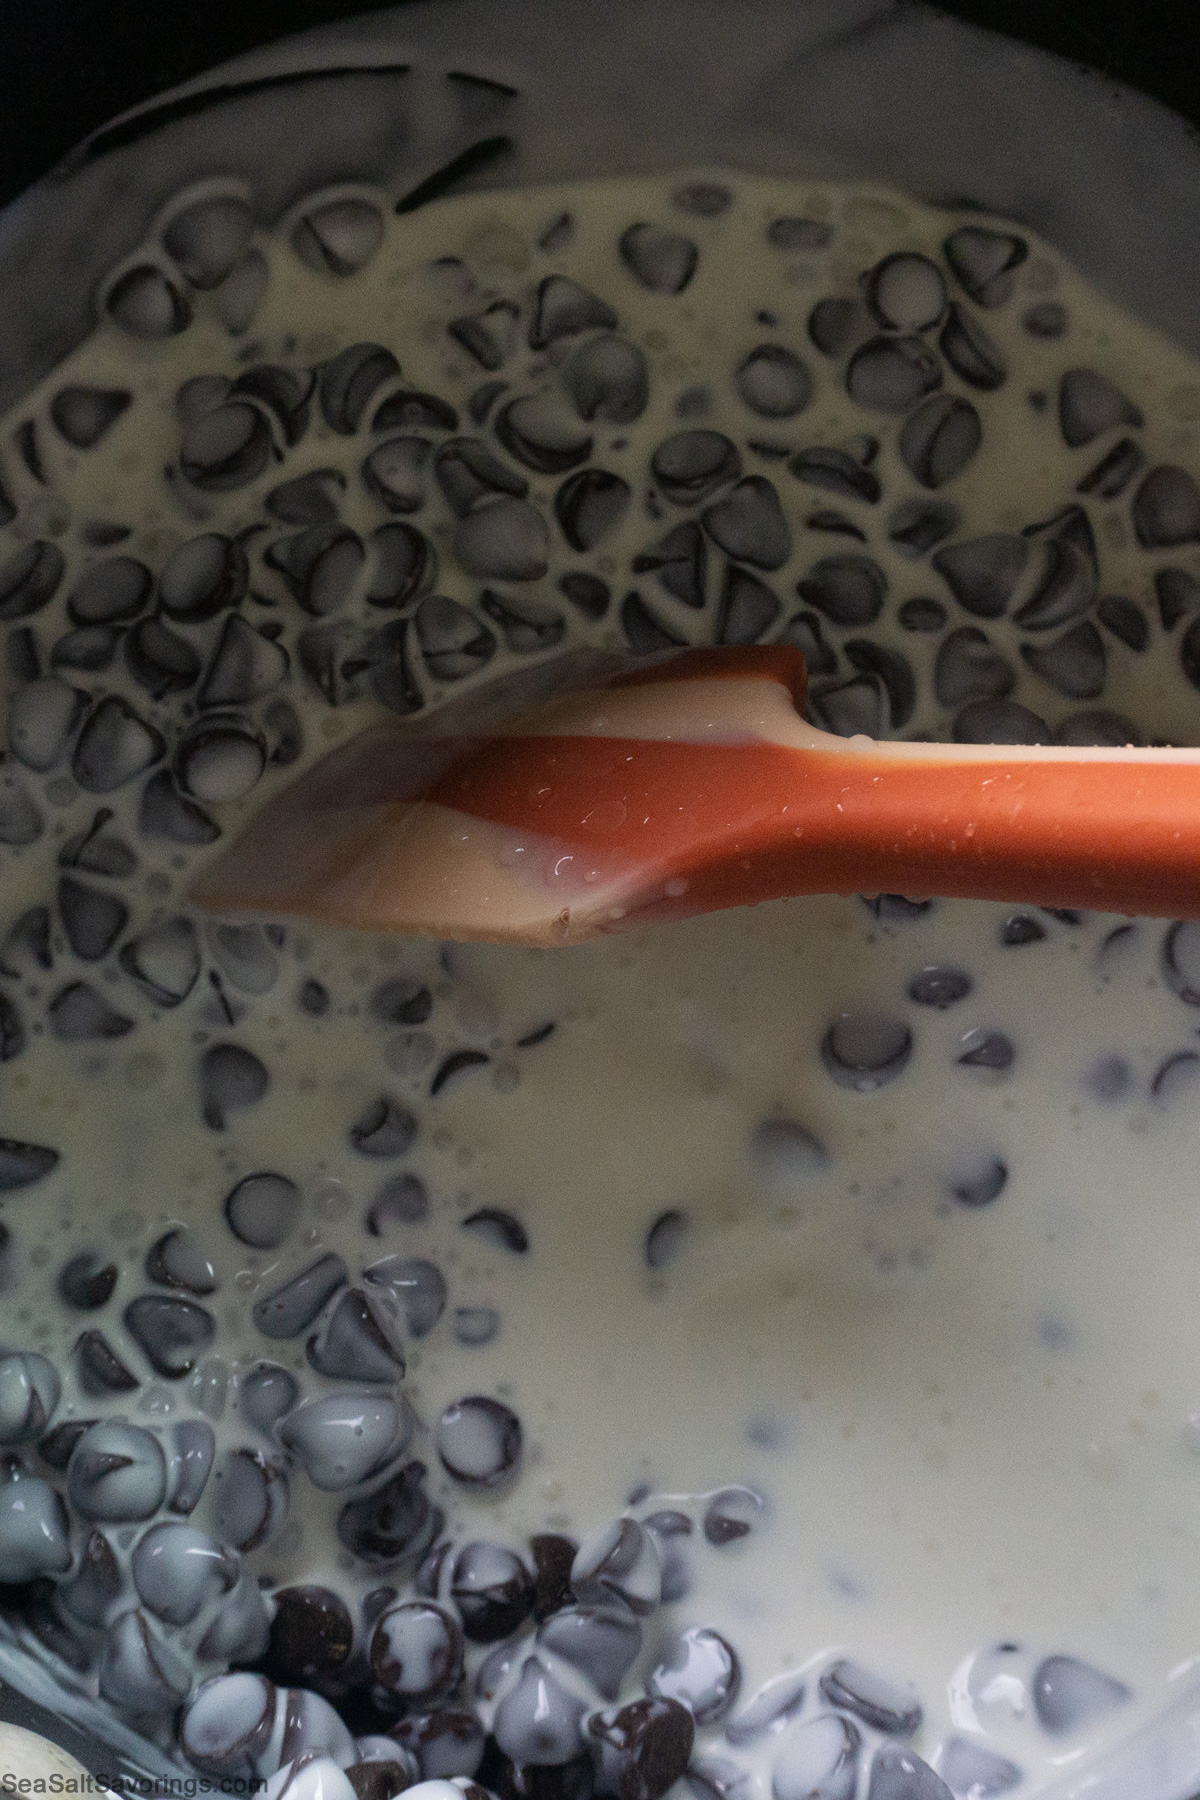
{"x":847,"y":1246}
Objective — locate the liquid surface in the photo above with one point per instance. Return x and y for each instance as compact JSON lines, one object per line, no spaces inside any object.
{"x":860,"y":1235}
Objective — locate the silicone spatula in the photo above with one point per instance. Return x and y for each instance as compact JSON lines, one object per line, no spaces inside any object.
{"x":696,"y":784}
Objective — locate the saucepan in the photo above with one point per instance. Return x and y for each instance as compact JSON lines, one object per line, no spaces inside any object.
{"x":456,"y":96}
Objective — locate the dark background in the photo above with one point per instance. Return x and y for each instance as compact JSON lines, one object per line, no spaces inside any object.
{"x":68,"y":65}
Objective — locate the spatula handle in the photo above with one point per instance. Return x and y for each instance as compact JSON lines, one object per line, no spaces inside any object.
{"x":1115,"y":836}
{"x":698,"y":826}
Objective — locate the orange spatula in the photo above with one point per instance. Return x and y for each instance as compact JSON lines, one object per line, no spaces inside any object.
{"x":691,"y":785}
